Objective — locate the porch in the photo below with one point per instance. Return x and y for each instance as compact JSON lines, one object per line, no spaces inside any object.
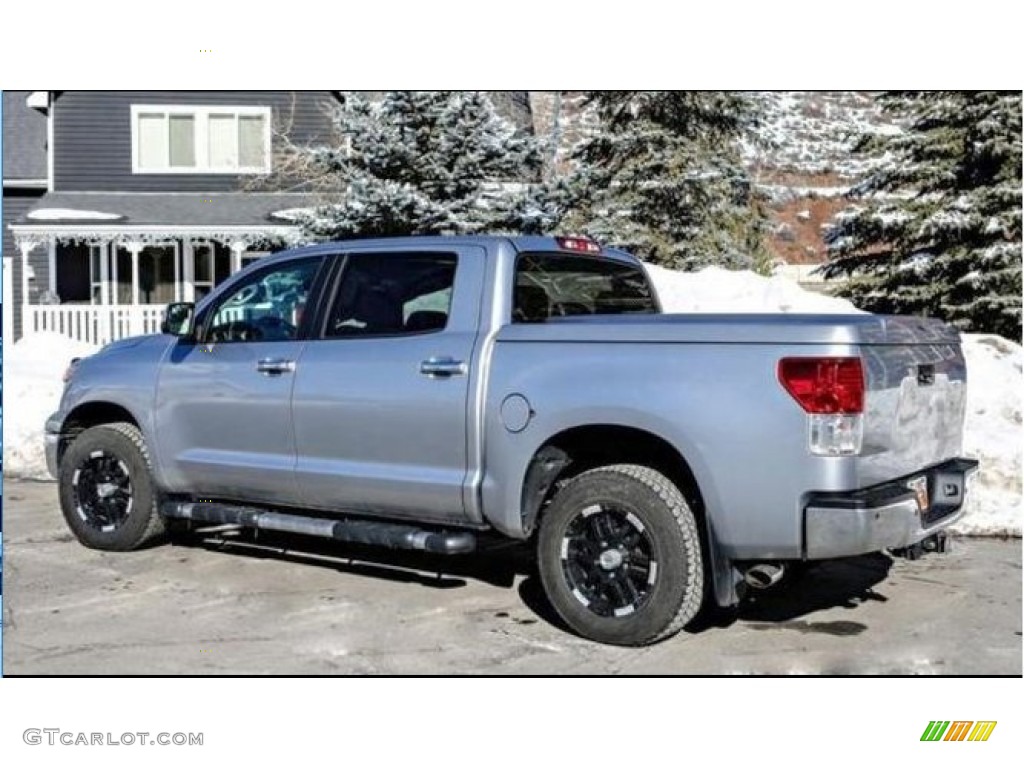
{"x":104,"y":279}
{"x":98,"y":292}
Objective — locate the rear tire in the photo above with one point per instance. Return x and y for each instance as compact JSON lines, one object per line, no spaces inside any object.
{"x":620,"y":557}
{"x":106,"y":487}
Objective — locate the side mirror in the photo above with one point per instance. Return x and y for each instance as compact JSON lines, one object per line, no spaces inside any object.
{"x":178,"y":319}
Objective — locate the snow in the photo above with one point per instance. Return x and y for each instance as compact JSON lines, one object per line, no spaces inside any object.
{"x":715,"y":290}
{"x":993,"y":435}
{"x":54,"y":214}
{"x":33,"y":369}
{"x":780,"y":193}
{"x":292,"y":214}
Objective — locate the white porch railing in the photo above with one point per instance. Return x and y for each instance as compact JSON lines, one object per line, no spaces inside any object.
{"x":91,"y":323}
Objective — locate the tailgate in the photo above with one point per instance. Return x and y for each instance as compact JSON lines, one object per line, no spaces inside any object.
{"x":916,"y":397}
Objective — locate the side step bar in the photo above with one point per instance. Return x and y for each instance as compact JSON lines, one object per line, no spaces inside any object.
{"x":381,"y":534}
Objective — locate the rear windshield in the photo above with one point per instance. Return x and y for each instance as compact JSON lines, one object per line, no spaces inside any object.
{"x":560,"y":285}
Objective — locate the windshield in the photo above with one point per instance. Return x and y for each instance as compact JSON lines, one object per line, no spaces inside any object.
{"x":560,"y":285}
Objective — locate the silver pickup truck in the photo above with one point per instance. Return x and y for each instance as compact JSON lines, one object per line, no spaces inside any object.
{"x":426,"y":393}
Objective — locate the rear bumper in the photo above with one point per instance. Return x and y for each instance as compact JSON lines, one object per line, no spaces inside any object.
{"x":885,"y":516}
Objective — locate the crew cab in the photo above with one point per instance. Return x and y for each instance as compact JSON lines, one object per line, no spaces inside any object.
{"x":429,"y":392}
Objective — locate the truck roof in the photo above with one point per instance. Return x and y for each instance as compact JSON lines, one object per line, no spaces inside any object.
{"x":521,"y":243}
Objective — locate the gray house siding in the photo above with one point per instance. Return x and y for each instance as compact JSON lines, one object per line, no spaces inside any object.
{"x":24,"y":155}
{"x":93,"y":135}
{"x":16,"y":203}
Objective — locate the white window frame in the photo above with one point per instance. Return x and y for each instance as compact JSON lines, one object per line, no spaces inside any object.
{"x":202,"y":145}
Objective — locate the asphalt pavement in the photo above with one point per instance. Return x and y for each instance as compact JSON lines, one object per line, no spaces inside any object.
{"x":229,"y":603}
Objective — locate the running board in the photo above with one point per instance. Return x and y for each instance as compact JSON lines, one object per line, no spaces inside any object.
{"x":381,"y":534}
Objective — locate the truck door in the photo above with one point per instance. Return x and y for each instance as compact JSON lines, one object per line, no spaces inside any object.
{"x":224,"y":401}
{"x":381,"y":397}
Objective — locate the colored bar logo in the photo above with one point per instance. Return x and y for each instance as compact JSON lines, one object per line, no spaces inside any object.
{"x":958,"y":730}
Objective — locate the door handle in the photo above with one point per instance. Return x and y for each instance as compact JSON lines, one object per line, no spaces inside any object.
{"x":442,"y":367}
{"x":275,"y":366}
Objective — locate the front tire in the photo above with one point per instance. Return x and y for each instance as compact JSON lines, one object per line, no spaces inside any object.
{"x":620,"y":557}
{"x":107,"y":493}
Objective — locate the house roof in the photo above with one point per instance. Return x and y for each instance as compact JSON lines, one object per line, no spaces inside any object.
{"x":24,"y":139}
{"x":163,"y":209}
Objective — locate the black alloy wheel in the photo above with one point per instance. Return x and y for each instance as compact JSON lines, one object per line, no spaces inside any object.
{"x":608,"y":559}
{"x":102,"y":491}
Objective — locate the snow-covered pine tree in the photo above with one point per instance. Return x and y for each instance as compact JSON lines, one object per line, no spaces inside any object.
{"x":420,"y":163}
{"x":663,"y":178}
{"x":936,"y":227}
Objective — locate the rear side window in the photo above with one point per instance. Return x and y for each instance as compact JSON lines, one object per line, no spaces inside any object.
{"x":392,"y":294}
{"x":560,"y":285}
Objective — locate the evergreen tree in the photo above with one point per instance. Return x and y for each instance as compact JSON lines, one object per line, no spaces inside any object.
{"x":420,"y":163}
{"x":663,"y":178}
{"x":936,"y":227}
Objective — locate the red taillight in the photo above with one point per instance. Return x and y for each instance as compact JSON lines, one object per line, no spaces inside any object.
{"x":824,"y":384}
{"x":578,"y":244}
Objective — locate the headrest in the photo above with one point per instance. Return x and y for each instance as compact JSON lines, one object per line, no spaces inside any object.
{"x":532,"y":304}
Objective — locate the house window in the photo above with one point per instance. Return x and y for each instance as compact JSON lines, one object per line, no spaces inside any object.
{"x":183,"y":139}
{"x":97,"y":255}
{"x":205,"y":277}
{"x":159,"y":281}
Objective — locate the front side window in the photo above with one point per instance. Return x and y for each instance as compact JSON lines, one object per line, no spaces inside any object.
{"x":268,"y":306}
{"x":183,"y":139}
{"x":392,"y":294}
{"x":559,"y":285}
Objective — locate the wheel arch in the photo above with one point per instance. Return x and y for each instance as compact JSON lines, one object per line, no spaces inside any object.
{"x":578,"y":449}
{"x":90,"y":414}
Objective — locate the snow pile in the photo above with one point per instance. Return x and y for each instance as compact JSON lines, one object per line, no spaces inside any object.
{"x":33,"y":373}
{"x":713,"y":289}
{"x":993,"y":435}
{"x":56,"y":214}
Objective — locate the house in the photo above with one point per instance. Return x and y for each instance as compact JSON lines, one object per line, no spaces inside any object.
{"x":25,"y":180}
{"x":119,"y":202}
{"x":127,"y":200}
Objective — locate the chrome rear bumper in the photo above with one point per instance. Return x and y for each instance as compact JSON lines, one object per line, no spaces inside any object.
{"x":886,"y":516}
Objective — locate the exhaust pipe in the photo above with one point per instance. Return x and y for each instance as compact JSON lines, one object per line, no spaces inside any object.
{"x":763,"y":575}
